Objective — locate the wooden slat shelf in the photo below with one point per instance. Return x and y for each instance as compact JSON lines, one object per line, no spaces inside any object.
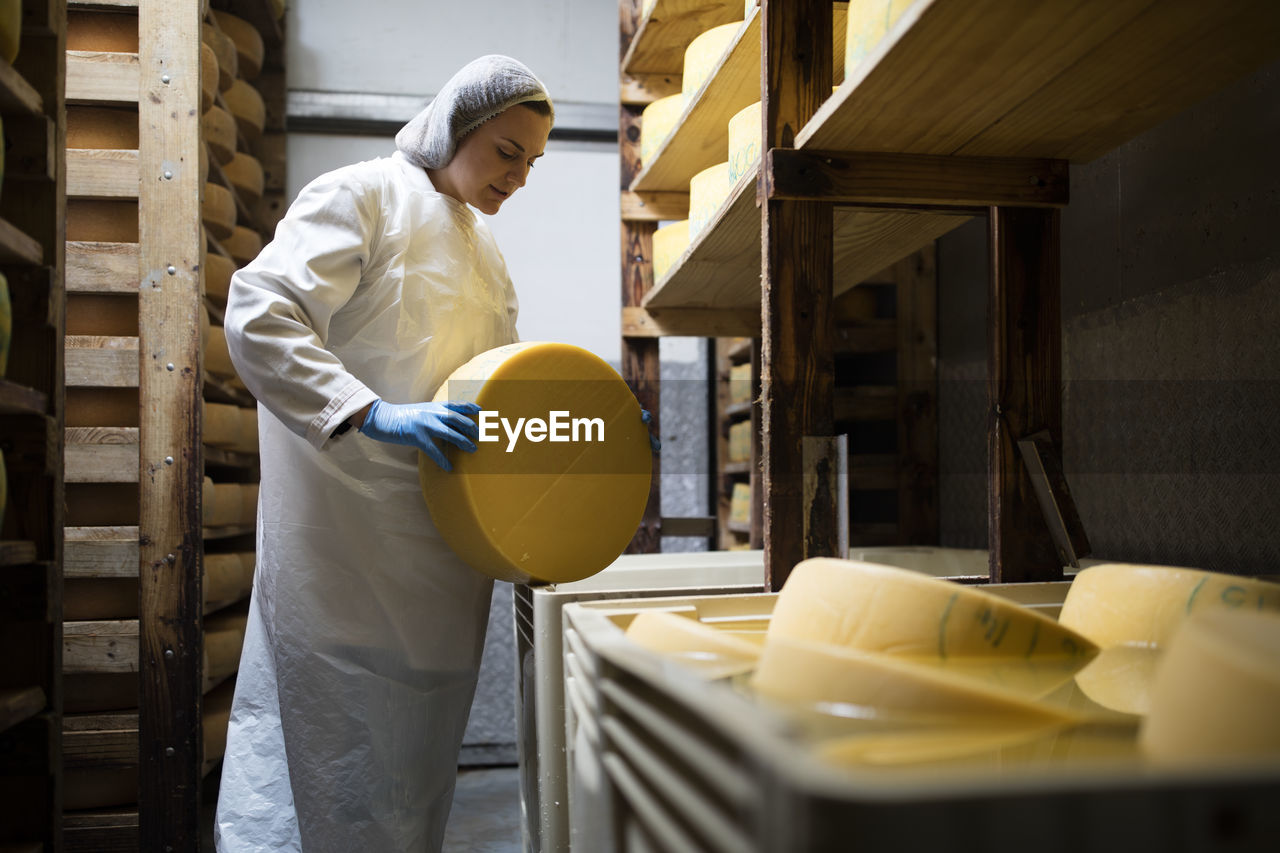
{"x":100,"y":552}
{"x":877,"y":471}
{"x":218,"y":391}
{"x":732,"y":468}
{"x":101,"y":361}
{"x":17,"y":552}
{"x":101,"y":455}
{"x":100,"y":78}
{"x":100,"y":740}
{"x":18,"y":704}
{"x":742,"y":527}
{"x":866,"y":403}
{"x":230,"y":458}
{"x":102,"y":267}
{"x":660,"y":40}
{"x":1069,"y":79}
{"x":102,"y":173}
{"x":18,"y":247}
{"x":18,"y":399}
{"x":737,"y":410}
{"x":229,"y":531}
{"x":16,"y":94}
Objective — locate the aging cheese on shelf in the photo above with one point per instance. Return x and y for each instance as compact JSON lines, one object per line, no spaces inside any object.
{"x":218,"y":270}
{"x":245,"y":174}
{"x":656,"y":124}
{"x":669,"y":243}
{"x":221,"y":424}
{"x":250,"y":50}
{"x":740,"y":435}
{"x":219,"y":128}
{"x":703,"y":648}
{"x":218,"y":210}
{"x":243,"y":244}
{"x":702,"y":56}
{"x":221,"y":503}
{"x":554,"y":503}
{"x":225,"y":50}
{"x":209,"y":78}
{"x":740,"y":504}
{"x":10,"y":29}
{"x":248,"y":108}
{"x":707,"y":191}
{"x":217,"y":360}
{"x":744,"y":141}
{"x":248,"y":441}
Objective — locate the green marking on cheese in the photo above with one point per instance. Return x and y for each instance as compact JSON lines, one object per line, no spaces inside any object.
{"x":942,"y":626}
{"x":1191,"y":598}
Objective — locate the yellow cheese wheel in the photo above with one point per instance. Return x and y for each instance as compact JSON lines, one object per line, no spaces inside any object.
{"x":702,"y":56}
{"x":245,"y":174}
{"x":867,"y":23}
{"x":277,"y":8}
{"x":223,"y":580}
{"x":208,"y":77}
{"x":740,"y":441}
{"x":218,"y":210}
{"x":710,"y":652}
{"x":10,"y":29}
{"x":219,"y":128}
{"x":250,"y":50}
{"x":215,"y":718}
{"x":221,"y":503}
{"x":243,"y":244}
{"x":221,"y":424}
{"x":740,"y":504}
{"x":904,"y":613}
{"x":248,"y":440}
{"x":740,"y":385}
{"x":248,"y":503}
{"x":217,"y":360}
{"x":1216,"y":694}
{"x":223,"y":641}
{"x":225,"y":50}
{"x":247,"y":106}
{"x":218,"y":270}
{"x":558,"y":489}
{"x":707,"y":191}
{"x":669,"y":243}
{"x":744,"y":141}
{"x":656,"y":124}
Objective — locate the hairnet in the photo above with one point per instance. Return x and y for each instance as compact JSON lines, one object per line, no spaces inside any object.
{"x":482,"y":89}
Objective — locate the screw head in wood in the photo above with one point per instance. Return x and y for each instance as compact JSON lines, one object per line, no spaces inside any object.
{"x":168,"y":176}
{"x":169,"y":367}
{"x":168,"y":653}
{"x":165,"y":78}
{"x":168,"y":460}
{"x":172,"y":270}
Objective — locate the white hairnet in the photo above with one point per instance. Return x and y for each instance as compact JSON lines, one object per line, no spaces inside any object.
{"x":482,"y":89}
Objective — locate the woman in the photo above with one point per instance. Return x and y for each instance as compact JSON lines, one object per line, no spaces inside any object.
{"x":365,"y":631}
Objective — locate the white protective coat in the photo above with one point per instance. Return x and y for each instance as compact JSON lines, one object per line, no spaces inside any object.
{"x":365,"y":630}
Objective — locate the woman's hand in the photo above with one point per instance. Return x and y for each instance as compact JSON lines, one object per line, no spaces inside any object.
{"x":419,"y":424}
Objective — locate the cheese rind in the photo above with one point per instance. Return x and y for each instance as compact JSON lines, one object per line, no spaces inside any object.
{"x":702,"y":56}
{"x":669,"y":243}
{"x":707,"y":191}
{"x":218,"y":210}
{"x":703,"y":648}
{"x":656,"y":124}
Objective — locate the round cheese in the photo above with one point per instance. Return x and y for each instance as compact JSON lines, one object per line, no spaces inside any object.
{"x":10,"y":29}
{"x":217,"y":360}
{"x":702,"y":56}
{"x":218,"y":270}
{"x":656,"y":123}
{"x":208,"y":77}
{"x":245,"y":174}
{"x":225,"y":51}
{"x":250,"y":50}
{"x":248,"y":503}
{"x":243,"y":245}
{"x":669,"y":243}
{"x":248,"y":440}
{"x":1216,"y":694}
{"x":744,"y":141}
{"x":248,"y":108}
{"x":218,"y":210}
{"x":219,"y":128}
{"x":703,"y":648}
{"x":221,"y":503}
{"x":868,"y":22}
{"x":221,"y":424}
{"x":707,"y":191}
{"x":560,"y":478}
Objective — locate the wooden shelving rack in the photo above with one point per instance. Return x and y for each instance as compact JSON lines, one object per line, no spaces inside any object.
{"x":162,"y":464}
{"x":31,"y":418}
{"x":964,"y":108}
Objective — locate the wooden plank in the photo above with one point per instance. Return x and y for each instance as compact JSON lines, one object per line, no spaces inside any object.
{"x":16,"y":94}
{"x":826,"y":491}
{"x":662,"y":36}
{"x":864,"y":403}
{"x":100,"y":646}
{"x":1024,"y":386}
{"x":102,"y":267}
{"x":100,"y":552}
{"x":33,"y":151}
{"x":171,"y":248}
{"x":873,"y":471}
{"x":797,"y":329}
{"x":101,"y":362}
{"x":917,"y":330}
{"x":654,"y":206}
{"x":18,"y":704}
{"x":102,"y":173}
{"x":867,"y":241}
{"x":640,"y":90}
{"x":102,"y":5}
{"x":18,"y":399}
{"x":17,"y":552}
{"x":915,"y":179}
{"x":700,"y":526}
{"x":1045,"y":78}
{"x":100,"y":740}
{"x":102,"y":831}
{"x":102,"y":455}
{"x":690,"y":322}
{"x":102,"y":78}
{"x":18,"y":247}
{"x":866,"y":336}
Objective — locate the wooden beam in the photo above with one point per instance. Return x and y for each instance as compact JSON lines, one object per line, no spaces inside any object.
{"x":796,"y":318}
{"x":690,"y":322}
{"x":171,"y":465}
{"x":640,"y":90}
{"x":100,"y":552}
{"x":923,"y":180}
{"x":100,"y":646}
{"x":101,"y":455}
{"x":32,"y":153}
{"x":16,"y":94}
{"x":101,"y":362}
{"x":18,"y":246}
{"x":1024,"y":386}
{"x":697,"y":526}
{"x":102,"y":173}
{"x":917,"y":355}
{"x":102,"y":78}
{"x":102,"y":267}
{"x":654,"y":206}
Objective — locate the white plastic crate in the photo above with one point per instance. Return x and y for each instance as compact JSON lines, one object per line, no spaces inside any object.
{"x":663,"y":760}
{"x":540,"y":675}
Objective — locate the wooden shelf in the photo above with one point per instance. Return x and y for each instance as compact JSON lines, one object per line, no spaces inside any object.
{"x":229,"y":531}
{"x":230,"y":458}
{"x":18,"y":399}
{"x":738,"y":527}
{"x":18,"y":704}
{"x":101,"y":455}
{"x":102,"y":267}
{"x":735,"y":468}
{"x":738,"y":410}
{"x":866,"y":403}
{"x":1069,"y":80}
{"x":102,"y":78}
{"x":18,"y":247}
{"x":16,"y":94}
{"x":17,"y":552}
{"x":102,"y":173}
{"x":660,"y":40}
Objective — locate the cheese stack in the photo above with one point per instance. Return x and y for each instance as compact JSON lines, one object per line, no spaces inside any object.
{"x":669,"y":243}
{"x":703,"y":55}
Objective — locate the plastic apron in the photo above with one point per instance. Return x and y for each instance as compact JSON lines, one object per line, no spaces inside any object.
{"x":365,"y":631}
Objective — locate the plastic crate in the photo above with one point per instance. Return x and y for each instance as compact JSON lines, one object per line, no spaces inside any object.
{"x":663,"y":760}
{"x":540,"y":675}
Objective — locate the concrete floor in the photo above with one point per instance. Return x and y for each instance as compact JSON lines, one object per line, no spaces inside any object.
{"x":486,"y":812}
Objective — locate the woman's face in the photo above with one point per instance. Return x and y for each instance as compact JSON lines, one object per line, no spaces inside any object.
{"x":493,"y":161}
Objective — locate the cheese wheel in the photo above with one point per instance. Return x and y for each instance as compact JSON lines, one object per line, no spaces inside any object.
{"x":561,"y":499}
{"x":221,"y":424}
{"x":218,"y":270}
{"x":223,"y":641}
{"x":10,"y":29}
{"x":1115,"y":603}
{"x":710,"y":652}
{"x":277,"y":8}
{"x":245,"y":174}
{"x":1216,"y":695}
{"x":208,"y":77}
{"x":867,"y":23}
{"x":248,"y":440}
{"x":248,"y":503}
{"x":219,"y":128}
{"x":707,"y":191}
{"x":223,"y":580}
{"x":225,"y":510}
{"x":744,"y":141}
{"x":101,"y":127}
{"x":669,"y":243}
{"x":740,"y":441}
{"x":247,"y":106}
{"x":656,"y":123}
{"x":218,"y":210}
{"x":904,"y":613}
{"x":740,"y":504}
{"x":217,"y":360}
{"x":243,"y":244}
{"x":215,"y":719}
{"x":702,"y":56}
{"x":250,"y":50}
{"x":225,"y":51}
{"x":740,"y":386}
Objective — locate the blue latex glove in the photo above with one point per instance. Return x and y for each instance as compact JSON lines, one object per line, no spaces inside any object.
{"x":417,"y":424}
{"x":654,"y":444}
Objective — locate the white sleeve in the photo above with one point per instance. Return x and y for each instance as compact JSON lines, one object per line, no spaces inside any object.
{"x":280,"y":305}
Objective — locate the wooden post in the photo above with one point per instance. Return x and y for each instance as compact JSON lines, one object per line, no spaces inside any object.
{"x":640,"y":367}
{"x":917,"y":315}
{"x":1024,"y":386}
{"x":797,"y":374}
{"x":170,"y":455}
